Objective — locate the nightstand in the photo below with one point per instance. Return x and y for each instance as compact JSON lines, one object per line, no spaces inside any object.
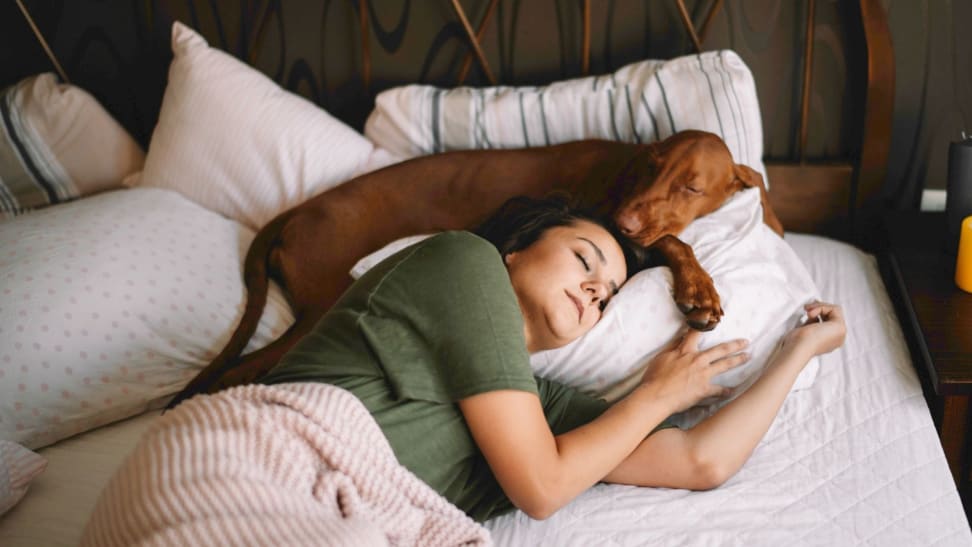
{"x":936,"y":317}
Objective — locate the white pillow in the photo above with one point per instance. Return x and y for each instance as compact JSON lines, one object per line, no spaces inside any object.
{"x":18,"y":466}
{"x":110,"y":304}
{"x":58,"y":144}
{"x":232,"y":140}
{"x":762,"y":284}
{"x":641,"y":102}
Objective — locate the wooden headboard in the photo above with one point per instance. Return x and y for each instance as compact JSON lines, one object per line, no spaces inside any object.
{"x":825,"y":176}
{"x":839,"y":199}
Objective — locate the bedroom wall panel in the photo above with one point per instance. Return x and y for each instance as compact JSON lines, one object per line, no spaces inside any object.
{"x":119,"y":51}
{"x":933,"y":100}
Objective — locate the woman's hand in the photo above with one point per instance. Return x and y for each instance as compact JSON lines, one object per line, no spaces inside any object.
{"x":823,"y":332}
{"x":682,"y":374}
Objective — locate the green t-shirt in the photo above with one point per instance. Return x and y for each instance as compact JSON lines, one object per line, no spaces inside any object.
{"x":433,"y":324}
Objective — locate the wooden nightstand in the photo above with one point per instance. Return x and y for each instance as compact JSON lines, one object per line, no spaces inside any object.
{"x":936,"y":317}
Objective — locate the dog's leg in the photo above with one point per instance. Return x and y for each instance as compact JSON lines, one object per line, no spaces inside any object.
{"x":695,"y":292}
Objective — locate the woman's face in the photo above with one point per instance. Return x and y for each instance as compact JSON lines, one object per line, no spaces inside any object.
{"x":564,"y":280}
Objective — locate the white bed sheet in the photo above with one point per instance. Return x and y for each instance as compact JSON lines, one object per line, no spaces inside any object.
{"x":854,"y":460}
{"x":56,"y":507}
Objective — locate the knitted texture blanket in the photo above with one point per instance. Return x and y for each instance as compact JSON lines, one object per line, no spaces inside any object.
{"x":291,"y":464}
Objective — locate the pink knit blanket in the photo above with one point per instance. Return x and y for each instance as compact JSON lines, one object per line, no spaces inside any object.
{"x":292,"y":464}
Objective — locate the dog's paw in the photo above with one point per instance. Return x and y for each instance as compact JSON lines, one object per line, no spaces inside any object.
{"x":699,"y":301}
{"x":702,"y":320}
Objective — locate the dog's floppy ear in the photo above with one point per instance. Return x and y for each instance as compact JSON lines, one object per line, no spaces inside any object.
{"x":747,"y":176}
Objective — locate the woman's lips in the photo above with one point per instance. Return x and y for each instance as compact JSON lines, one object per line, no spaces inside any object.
{"x":577,"y":303}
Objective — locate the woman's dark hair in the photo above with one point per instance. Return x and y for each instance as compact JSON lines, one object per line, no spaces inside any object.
{"x":522,"y":220}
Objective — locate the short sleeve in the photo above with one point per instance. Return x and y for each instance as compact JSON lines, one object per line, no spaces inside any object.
{"x":444,"y":323}
{"x":567,"y":408}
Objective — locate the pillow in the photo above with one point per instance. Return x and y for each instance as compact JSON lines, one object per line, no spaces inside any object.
{"x":762,"y":284}
{"x":232,"y":140}
{"x":641,"y":102}
{"x":18,"y":466}
{"x":57,"y":143}
{"x":761,"y":281}
{"x":110,"y":304}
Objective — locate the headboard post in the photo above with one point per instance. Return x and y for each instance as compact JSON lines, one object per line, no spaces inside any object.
{"x":43,"y":42}
{"x":872,"y":165}
{"x":841,"y":199}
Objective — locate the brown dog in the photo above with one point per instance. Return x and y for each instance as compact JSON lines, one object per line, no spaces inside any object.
{"x":653,"y":191}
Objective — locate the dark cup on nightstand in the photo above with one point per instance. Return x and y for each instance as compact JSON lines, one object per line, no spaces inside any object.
{"x":958,"y":197}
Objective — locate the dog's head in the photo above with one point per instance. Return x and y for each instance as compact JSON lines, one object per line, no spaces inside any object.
{"x":677,"y":180}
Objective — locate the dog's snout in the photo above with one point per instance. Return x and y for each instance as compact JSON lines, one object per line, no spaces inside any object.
{"x":628,"y":224}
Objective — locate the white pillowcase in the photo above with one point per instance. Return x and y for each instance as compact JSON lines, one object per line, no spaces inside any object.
{"x":18,"y":466}
{"x":59,"y":144}
{"x":110,"y":304}
{"x":762,"y":284}
{"x":641,"y":102}
{"x":232,"y":140}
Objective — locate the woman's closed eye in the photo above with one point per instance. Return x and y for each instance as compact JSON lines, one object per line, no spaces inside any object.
{"x":601,"y":304}
{"x":586,"y":264}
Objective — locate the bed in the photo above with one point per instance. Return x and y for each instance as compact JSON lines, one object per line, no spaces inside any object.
{"x":853,"y":457}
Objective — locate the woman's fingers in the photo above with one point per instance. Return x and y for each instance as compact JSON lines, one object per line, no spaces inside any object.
{"x":823,"y":311}
{"x":684,"y":341}
{"x":824,"y":330}
{"x":719,"y":351}
{"x":720,"y":392}
{"x":729,"y":362}
{"x":690,"y":341}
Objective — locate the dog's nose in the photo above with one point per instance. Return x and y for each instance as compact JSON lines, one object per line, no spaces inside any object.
{"x":628,"y":224}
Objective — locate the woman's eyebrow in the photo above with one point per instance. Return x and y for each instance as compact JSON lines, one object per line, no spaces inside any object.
{"x":600,"y":256}
{"x":597,"y":249}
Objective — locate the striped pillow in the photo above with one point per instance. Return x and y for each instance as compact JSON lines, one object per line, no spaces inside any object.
{"x":641,"y":102}
{"x":56,"y":144}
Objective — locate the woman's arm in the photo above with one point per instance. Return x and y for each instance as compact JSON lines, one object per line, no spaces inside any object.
{"x":541,"y":473}
{"x":708,"y":454}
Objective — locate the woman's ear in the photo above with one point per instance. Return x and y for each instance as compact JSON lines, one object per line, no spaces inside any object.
{"x":509,"y":257}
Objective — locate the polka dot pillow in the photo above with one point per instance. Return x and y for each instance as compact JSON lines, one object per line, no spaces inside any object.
{"x":110,"y":304}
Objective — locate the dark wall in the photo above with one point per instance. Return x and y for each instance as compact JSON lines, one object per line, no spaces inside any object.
{"x":933,"y":95}
{"x":119,"y":51}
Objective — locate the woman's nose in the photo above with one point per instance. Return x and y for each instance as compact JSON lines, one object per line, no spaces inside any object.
{"x":595,"y":290}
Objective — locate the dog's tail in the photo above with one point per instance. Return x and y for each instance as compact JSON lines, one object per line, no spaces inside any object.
{"x":256,"y":279}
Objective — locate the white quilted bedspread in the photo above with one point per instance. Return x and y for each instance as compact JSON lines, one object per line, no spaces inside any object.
{"x":854,"y":460}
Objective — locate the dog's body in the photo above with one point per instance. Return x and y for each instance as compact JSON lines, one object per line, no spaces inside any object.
{"x":652,"y":191}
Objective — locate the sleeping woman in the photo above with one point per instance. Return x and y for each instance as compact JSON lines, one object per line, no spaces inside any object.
{"x":435,"y":342}
{"x":444,"y":331}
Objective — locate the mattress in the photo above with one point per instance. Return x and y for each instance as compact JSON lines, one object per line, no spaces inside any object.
{"x":854,"y":460}
{"x":56,"y":507}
